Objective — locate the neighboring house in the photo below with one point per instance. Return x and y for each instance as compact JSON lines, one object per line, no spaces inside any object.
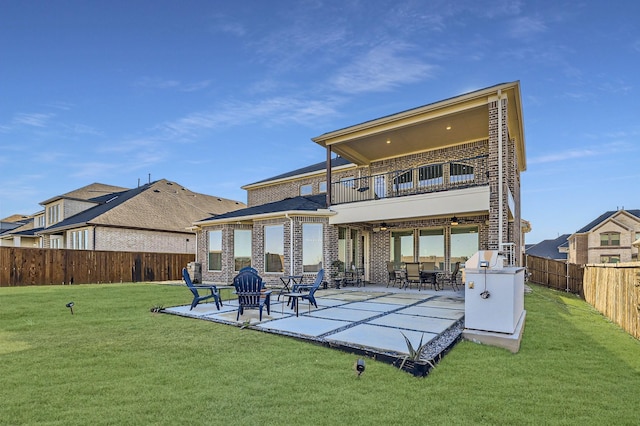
{"x":433,"y":184}
{"x":151,"y":218}
{"x":24,"y":235}
{"x":607,"y":239}
{"x":556,"y":249}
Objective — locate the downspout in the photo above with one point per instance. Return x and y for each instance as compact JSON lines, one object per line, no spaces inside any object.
{"x":500,"y":177}
{"x":291,"y":269}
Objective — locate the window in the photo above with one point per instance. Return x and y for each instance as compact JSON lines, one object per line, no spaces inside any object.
{"x":610,"y":239}
{"x":464,"y":244}
{"x":354,"y":249}
{"x":79,"y":240}
{"x":610,"y":258}
{"x":53,"y":214}
{"x":55,"y":242}
{"x":274,"y":248}
{"x":460,"y":173}
{"x":403,"y":181}
{"x":342,"y":246}
{"x":215,"y":250}
{"x":322,"y":186}
{"x":348,"y":182}
{"x":430,"y":175}
{"x":431,"y":248}
{"x":40,"y":221}
{"x":241,"y":248}
{"x":312,"y":243}
{"x":401,"y":247}
{"x":306,"y":189}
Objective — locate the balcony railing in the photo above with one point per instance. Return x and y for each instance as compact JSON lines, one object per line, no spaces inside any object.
{"x":428,"y":178}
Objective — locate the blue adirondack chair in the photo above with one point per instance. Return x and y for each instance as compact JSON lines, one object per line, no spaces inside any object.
{"x":311,"y":288}
{"x":251,"y":293}
{"x":215,"y":294}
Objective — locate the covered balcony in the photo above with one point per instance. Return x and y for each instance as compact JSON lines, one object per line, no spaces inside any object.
{"x":430,"y":178}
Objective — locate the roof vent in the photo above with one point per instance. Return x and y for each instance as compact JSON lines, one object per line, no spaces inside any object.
{"x":156,"y":190}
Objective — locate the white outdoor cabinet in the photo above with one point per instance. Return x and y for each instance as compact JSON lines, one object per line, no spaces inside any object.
{"x":494,"y":294}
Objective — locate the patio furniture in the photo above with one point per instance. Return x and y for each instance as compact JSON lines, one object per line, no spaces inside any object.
{"x":413,"y":275}
{"x":451,"y":279}
{"x":297,"y":292}
{"x":354,"y":277}
{"x":287,"y":281}
{"x":215,"y":294}
{"x":251,"y":293}
{"x":430,"y":277}
{"x":248,"y":268}
{"x":392,"y":276}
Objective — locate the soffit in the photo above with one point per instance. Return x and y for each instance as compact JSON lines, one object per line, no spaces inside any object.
{"x":446,"y":123}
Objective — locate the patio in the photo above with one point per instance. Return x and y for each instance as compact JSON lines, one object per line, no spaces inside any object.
{"x":365,"y":320}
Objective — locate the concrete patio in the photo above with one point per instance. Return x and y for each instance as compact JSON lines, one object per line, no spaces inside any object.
{"x":368,"y":320}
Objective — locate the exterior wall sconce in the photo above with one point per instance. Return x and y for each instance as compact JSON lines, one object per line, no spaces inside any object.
{"x":454,"y":221}
{"x":383,"y":226}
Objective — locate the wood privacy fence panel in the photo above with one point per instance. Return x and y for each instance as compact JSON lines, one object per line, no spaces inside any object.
{"x":614,"y":290}
{"x":556,"y":274}
{"x":31,"y":266}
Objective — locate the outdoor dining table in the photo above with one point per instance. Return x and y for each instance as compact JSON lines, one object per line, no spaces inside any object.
{"x":294,"y":298}
{"x":431,"y":276}
{"x":289,"y":281}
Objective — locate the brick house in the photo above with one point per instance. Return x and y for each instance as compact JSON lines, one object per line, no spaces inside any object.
{"x":610,"y":238}
{"x":150,"y":218}
{"x":432,"y":184}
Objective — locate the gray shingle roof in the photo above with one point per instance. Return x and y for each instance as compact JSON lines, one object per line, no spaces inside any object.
{"x":160,"y":205}
{"x":549,"y":248}
{"x":300,"y":203}
{"x":335,"y":162}
{"x":604,"y":217}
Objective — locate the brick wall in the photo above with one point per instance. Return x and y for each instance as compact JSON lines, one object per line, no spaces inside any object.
{"x":118,"y":239}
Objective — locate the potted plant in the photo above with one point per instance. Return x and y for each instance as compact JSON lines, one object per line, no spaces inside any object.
{"x":337,"y":272}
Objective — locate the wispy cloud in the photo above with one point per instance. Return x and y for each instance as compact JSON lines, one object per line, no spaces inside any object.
{"x":563,"y":156}
{"x":163,"y":84}
{"x":526,"y":27}
{"x":32,"y":119}
{"x":381,"y":69}
{"x":270,"y":110}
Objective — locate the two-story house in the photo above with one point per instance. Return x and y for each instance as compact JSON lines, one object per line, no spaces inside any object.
{"x":431,"y":184}
{"x":607,"y":239}
{"x":24,"y":234}
{"x":154,"y":217}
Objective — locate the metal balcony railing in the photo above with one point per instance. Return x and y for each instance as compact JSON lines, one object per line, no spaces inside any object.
{"x":436,"y":177}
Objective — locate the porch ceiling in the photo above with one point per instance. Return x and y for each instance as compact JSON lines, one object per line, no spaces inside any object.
{"x":446,"y":123}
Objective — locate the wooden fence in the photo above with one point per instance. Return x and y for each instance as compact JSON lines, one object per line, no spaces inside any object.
{"x":33,"y":266}
{"x":614,"y":290}
{"x":556,"y":274}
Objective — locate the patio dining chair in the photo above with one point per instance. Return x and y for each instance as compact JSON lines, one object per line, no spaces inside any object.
{"x":451,"y":279}
{"x":197,"y":298}
{"x":413,"y":275}
{"x":251,"y":293}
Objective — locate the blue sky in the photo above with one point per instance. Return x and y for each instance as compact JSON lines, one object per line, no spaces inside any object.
{"x":218,"y":94}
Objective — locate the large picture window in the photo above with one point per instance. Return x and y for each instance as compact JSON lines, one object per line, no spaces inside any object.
{"x":312,"y":243}
{"x":215,"y":250}
{"x":431,"y":248}
{"x":401,"y":247}
{"x":464,"y":244}
{"x":274,"y":248}
{"x":241,"y":248}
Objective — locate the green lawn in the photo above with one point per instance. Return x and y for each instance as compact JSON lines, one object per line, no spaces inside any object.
{"x":115,"y":362}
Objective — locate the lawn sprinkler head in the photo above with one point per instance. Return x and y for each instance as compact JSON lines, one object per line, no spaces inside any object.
{"x":360,"y":366}
{"x":70,"y":306}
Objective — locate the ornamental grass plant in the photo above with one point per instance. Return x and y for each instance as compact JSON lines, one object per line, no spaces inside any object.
{"x":113,"y":361}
